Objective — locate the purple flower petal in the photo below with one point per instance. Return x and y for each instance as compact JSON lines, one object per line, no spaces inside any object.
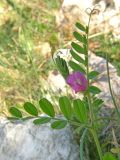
{"x":77,"y":81}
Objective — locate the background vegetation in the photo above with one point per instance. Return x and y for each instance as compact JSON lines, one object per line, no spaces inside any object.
{"x":25,"y":29}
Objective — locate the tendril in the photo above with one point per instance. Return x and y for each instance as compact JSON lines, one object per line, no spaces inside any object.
{"x":94,"y":10}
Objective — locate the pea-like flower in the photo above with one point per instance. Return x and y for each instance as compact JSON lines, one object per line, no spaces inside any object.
{"x":77,"y":81}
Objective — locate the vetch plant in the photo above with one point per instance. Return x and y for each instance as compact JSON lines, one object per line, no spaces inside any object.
{"x":81,"y":112}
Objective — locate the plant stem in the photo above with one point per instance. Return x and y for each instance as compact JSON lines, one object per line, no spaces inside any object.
{"x":110,"y":88}
{"x":87,"y":62}
{"x":93,"y":130}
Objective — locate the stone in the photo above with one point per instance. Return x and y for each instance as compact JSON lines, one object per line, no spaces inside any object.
{"x":70,"y":12}
{"x":26,"y":141}
{"x":99,"y":64}
{"x":57,"y":82}
{"x":107,"y":20}
{"x":117,"y":5}
{"x":81,"y":4}
{"x":109,"y":3}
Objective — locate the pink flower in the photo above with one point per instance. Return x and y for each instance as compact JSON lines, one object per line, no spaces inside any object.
{"x":77,"y":81}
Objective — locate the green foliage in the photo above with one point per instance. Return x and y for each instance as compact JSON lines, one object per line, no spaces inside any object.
{"x":97,"y":103}
{"x":78,"y":36}
{"x":15,"y":112}
{"x":54,"y":5}
{"x":59,"y":124}
{"x":16,"y":8}
{"x":94,"y":90}
{"x":31,"y":109}
{"x":77,"y":57}
{"x":41,"y":120}
{"x":23,"y":65}
{"x":77,"y":48}
{"x":109,"y":156}
{"x":65,"y":106}
{"x":47,"y":107}
{"x":62,"y":66}
{"x":80,"y":110}
{"x":80,"y":27}
{"x":93,"y":74}
{"x":76,"y":67}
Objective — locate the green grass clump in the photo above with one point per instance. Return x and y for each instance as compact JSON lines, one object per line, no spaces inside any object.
{"x":24,"y":27}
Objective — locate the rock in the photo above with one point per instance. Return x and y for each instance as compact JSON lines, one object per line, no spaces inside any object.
{"x":105,"y":22}
{"x":117,"y":5}
{"x":25,"y":141}
{"x":109,"y":3}
{"x":57,"y":82}
{"x":108,"y":19}
{"x":81,"y":4}
{"x":70,"y":12}
{"x":99,"y":64}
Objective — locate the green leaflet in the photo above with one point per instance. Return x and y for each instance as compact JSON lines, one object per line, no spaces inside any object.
{"x":31,"y":109}
{"x":78,"y":36}
{"x":77,"y":57}
{"x":76,"y":67}
{"x":77,"y":48}
{"x":94,"y":90}
{"x":80,"y":110}
{"x":93,"y":74}
{"x":62,"y":66}
{"x":47,"y":107}
{"x":65,"y":106}
{"x":42,"y":120}
{"x":59,"y":124}
{"x":80,"y":27}
{"x":15,"y":112}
